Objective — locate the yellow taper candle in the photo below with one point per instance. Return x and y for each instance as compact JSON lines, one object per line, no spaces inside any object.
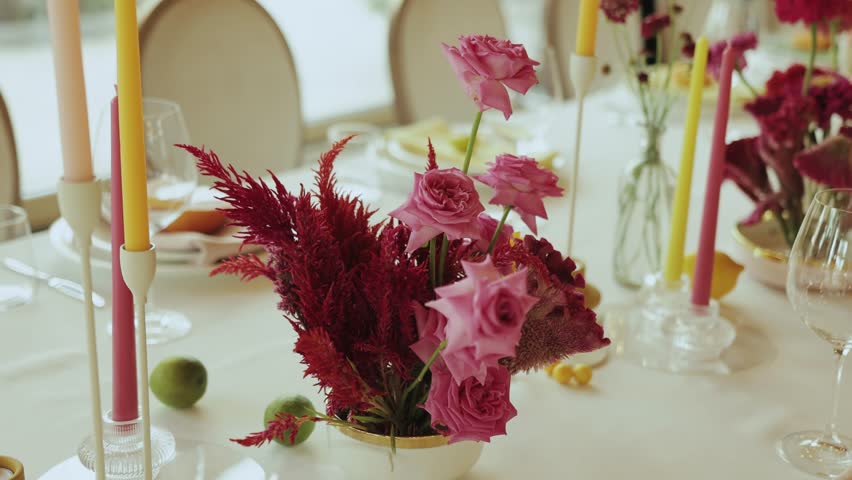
{"x":134,"y":183}
{"x":680,"y":210}
{"x":587,"y":28}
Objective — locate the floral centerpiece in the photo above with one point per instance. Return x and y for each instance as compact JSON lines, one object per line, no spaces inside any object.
{"x":412,"y":326}
{"x":646,"y":186}
{"x":805,"y":117}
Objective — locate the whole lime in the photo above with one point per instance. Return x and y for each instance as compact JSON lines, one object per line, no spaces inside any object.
{"x":297,"y":406}
{"x":179,"y":382}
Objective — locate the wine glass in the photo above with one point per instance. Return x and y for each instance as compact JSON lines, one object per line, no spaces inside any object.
{"x":172,"y":179}
{"x":819,"y":285}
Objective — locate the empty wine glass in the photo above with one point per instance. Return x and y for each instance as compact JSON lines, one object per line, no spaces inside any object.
{"x":819,"y":285}
{"x":172,"y":179}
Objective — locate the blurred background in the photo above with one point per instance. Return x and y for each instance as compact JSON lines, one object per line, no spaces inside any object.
{"x":370,"y":61}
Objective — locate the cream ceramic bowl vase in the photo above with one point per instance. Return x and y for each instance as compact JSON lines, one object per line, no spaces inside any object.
{"x":367,"y":456}
{"x":762,"y":250}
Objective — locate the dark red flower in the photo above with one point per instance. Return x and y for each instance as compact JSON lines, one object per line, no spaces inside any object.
{"x":618,"y":10}
{"x":828,"y":162}
{"x":783,"y":120}
{"x":655,"y":23}
{"x":688,"y":48}
{"x":642,"y":77}
{"x":677,"y":9}
{"x":740,"y":42}
{"x":811,"y":11}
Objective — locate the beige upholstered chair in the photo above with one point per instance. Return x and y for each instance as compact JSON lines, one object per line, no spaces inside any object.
{"x":228,"y":65}
{"x":423,"y":81}
{"x":562,"y":35}
{"x":9,"y":192}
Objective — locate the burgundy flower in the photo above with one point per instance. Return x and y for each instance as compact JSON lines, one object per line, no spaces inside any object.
{"x":828,"y":162}
{"x":442,"y":201}
{"x":811,"y":11}
{"x":740,"y":43}
{"x":654,"y":24}
{"x":618,"y":10}
{"x":642,"y":77}
{"x":688,"y":48}
{"x":783,"y":120}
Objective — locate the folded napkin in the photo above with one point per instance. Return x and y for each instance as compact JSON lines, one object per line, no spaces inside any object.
{"x":202,"y":249}
{"x":200,"y":235}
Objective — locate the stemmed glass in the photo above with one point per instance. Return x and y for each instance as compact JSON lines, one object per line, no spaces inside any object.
{"x":172,"y":179}
{"x":819,"y":285}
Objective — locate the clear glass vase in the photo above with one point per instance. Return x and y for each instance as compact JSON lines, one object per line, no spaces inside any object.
{"x":645,"y":191}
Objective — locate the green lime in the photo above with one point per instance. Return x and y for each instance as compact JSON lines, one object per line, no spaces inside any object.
{"x":297,"y":406}
{"x":179,"y":382}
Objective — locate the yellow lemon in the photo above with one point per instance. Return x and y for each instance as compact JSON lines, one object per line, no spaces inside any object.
{"x":583,"y":374}
{"x":563,"y":374}
{"x":725,"y":273}
{"x":549,"y":369}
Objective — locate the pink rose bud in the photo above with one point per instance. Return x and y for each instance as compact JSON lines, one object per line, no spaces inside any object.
{"x":487,"y":66}
{"x":521,"y":183}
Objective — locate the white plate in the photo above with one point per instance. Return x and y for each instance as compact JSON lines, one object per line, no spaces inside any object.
{"x":168,"y":263}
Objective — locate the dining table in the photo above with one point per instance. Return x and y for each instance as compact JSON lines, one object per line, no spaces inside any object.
{"x":629,"y":422}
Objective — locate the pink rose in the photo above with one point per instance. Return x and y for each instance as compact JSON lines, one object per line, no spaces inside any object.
{"x":486,"y":66}
{"x":487,"y":226}
{"x":485,"y":313}
{"x":431,"y":331}
{"x":470,"y":410}
{"x":443,"y":201}
{"x":521,"y":183}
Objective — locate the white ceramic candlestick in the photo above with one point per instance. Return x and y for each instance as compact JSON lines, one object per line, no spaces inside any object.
{"x":80,"y":205}
{"x":582,"y":71}
{"x":138,"y":269}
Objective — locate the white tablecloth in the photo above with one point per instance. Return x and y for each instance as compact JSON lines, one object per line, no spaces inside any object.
{"x":630,"y":423}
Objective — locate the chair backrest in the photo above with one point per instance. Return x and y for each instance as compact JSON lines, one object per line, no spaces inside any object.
{"x":562,"y":35}
{"x":9,"y":189}
{"x":228,"y":65}
{"x":424,"y":83}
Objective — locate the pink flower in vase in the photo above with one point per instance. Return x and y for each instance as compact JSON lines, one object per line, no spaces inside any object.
{"x":486,"y":66}
{"x":655,"y":23}
{"x":521,"y":183}
{"x":618,"y":10}
{"x":740,"y":42}
{"x":470,"y":409}
{"x":484,"y":313}
{"x":442,"y":201}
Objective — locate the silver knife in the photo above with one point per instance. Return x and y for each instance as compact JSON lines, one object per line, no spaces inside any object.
{"x":65,"y":287}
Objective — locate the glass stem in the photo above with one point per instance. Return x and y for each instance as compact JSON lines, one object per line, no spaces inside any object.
{"x":831,"y":429}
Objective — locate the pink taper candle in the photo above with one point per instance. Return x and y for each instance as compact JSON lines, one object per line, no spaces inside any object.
{"x":125,"y":404}
{"x":703,"y":276}
{"x":64,"y":17}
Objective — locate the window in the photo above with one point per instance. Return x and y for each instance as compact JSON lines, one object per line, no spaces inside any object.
{"x":337,"y":45}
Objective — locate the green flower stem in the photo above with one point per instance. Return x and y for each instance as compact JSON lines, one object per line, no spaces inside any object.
{"x":445,"y":245}
{"x":425,"y":368}
{"x":835,"y":58}
{"x":471,"y":141}
{"x":806,"y":85}
{"x":433,"y":275}
{"x":745,"y":82}
{"x":496,"y":235}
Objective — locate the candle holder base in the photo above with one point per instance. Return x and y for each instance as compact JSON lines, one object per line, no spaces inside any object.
{"x":123,"y":449}
{"x":666,"y":331}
